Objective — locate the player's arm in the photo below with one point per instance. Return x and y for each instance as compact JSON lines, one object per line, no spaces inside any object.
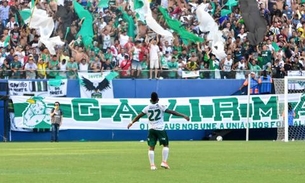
{"x":140,"y":115}
{"x":52,"y":112}
{"x":177,"y":114}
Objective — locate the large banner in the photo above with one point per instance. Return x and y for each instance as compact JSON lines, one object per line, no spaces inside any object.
{"x":96,"y":85}
{"x":50,"y":88}
{"x":205,"y":113}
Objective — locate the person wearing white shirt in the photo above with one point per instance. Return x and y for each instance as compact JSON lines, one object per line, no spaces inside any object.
{"x":242,"y":34}
{"x":30,"y":68}
{"x":11,"y":24}
{"x":83,"y":66}
{"x":154,"y":57}
{"x":167,"y":48}
{"x":123,"y":38}
{"x":121,"y":56}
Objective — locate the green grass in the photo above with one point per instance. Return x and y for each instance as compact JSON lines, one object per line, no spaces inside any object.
{"x":127,"y":162}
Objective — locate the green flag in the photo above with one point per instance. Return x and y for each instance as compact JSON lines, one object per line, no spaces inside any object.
{"x":176,"y":26}
{"x":231,"y":3}
{"x":16,"y":18}
{"x":213,"y":7}
{"x":103,"y":4}
{"x":25,"y":14}
{"x":111,"y":76}
{"x":67,"y":32}
{"x":225,"y":12}
{"x":275,"y":46}
{"x":130,"y":22}
{"x":138,"y":4}
{"x":86,"y":30}
{"x":32,"y":3}
{"x":7,"y":41}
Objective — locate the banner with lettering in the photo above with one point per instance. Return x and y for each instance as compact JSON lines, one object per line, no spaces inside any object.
{"x":50,"y":88}
{"x":190,"y":74}
{"x":96,"y":85}
{"x":205,"y":112}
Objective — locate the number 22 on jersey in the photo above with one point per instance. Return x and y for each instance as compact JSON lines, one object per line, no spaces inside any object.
{"x":154,"y":115}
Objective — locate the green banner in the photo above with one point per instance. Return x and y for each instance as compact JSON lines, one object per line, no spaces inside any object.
{"x":205,"y":112}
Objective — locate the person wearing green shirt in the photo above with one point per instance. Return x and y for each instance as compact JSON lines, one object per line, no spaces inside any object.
{"x":254,"y":67}
{"x":213,"y":66}
{"x":164,"y":66}
{"x":172,"y":67}
{"x":108,"y":54}
{"x":53,"y":67}
{"x":16,"y":68}
{"x":175,"y":54}
{"x":45,"y":55}
{"x":72,"y":68}
{"x":266,"y":55}
{"x":5,"y":69}
{"x":144,"y":65}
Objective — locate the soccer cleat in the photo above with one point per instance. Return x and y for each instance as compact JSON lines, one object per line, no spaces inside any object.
{"x":164,"y":165}
{"x":153,"y":167}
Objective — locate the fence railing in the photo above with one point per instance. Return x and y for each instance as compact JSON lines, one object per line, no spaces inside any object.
{"x":144,"y":74}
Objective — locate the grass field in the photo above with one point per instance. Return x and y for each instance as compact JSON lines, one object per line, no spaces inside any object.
{"x":127,"y":162}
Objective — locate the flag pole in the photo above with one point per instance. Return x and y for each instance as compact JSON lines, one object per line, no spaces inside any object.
{"x":36,"y":1}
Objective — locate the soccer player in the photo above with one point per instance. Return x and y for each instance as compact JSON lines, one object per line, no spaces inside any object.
{"x":156,"y":130}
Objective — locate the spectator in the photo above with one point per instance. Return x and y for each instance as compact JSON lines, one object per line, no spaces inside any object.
{"x":173,"y":68}
{"x":265,"y":83}
{"x":30,"y":68}
{"x":15,"y":35}
{"x":12,"y":24}
{"x":154,"y":60}
{"x":42,"y":69}
{"x":5,"y":69}
{"x":226,"y":67}
{"x":254,"y":67}
{"x":16,"y":68}
{"x":214,"y":67}
{"x":239,"y":68}
{"x":266,"y":57}
{"x":192,"y":65}
{"x":107,"y":66}
{"x":4,"y":12}
{"x":53,"y":67}
{"x":125,"y":67}
{"x":96,"y":65}
{"x":72,"y":67}
{"x":145,"y":68}
{"x":83,"y":66}
{"x":63,"y":68}
{"x":254,"y":89}
{"x":136,"y":64}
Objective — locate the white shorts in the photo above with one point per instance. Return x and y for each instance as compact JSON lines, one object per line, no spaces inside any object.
{"x":136,"y":65}
{"x":154,"y":64}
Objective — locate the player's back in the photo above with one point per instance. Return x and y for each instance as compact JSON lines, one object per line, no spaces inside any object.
{"x":155,"y":113}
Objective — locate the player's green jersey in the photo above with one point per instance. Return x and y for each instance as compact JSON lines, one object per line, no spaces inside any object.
{"x":155,"y":114}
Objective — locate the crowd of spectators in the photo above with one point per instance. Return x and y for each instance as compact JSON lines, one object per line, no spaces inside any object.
{"x":23,"y":56}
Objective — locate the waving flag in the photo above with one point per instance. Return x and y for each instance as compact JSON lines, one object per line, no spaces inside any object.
{"x":103,"y":3}
{"x":144,"y":13}
{"x":176,"y":25}
{"x":39,"y":19}
{"x":255,"y":23}
{"x":86,"y":30}
{"x":208,"y":24}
